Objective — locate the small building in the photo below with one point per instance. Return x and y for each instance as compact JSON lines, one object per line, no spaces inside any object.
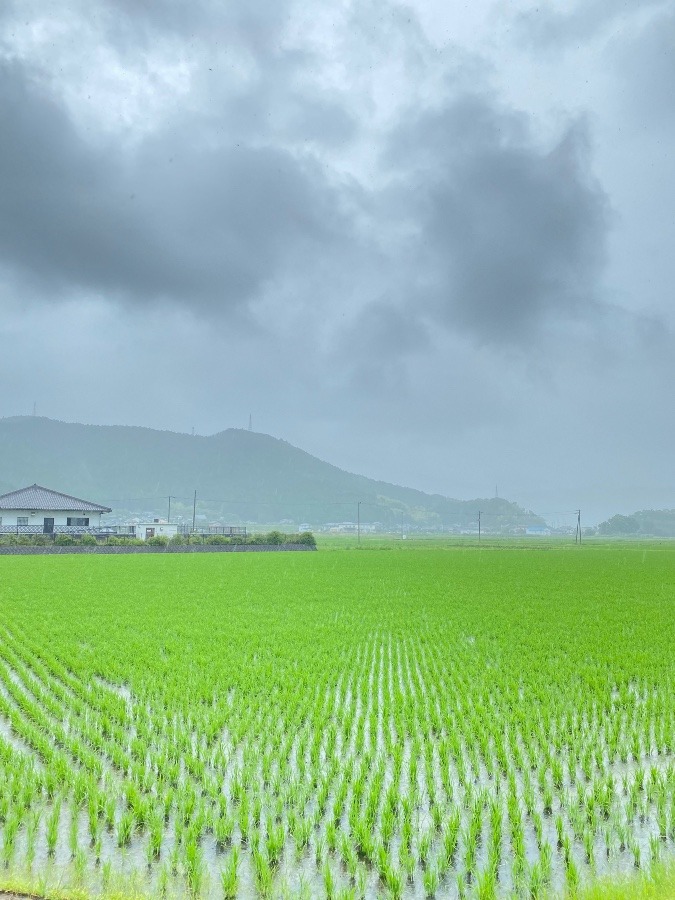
{"x":156,"y":528}
{"x":39,"y":510}
{"x":162,"y":528}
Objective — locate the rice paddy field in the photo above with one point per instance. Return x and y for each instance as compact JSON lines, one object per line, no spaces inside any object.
{"x":424,"y":722}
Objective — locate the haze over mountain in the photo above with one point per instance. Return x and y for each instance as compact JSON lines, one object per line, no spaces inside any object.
{"x":236,"y":473}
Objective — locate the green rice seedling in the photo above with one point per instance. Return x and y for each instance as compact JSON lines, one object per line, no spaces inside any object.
{"x":430,"y":881}
{"x":125,"y":828}
{"x":662,"y":819}
{"x":546,"y":861}
{"x":407,"y":863}
{"x":194,"y":872}
{"x":331,"y":836}
{"x":654,"y":848}
{"x":109,"y":813}
{"x":394,"y":882}
{"x":229,"y":878}
{"x":80,"y":866}
{"x":174,"y":860}
{"x":73,"y":836}
{"x":33,"y":825}
{"x":223,"y":829}
{"x":346,"y":893}
{"x":328,"y":880}
{"x":319,"y":852}
{"x":537,"y":882}
{"x":589,"y":847}
{"x":53,"y":827}
{"x":424,"y":847}
{"x":155,"y":835}
{"x":106,"y":874}
{"x":461,"y":886}
{"x":274,"y":844}
{"x":11,"y":830}
{"x":470,"y":850}
{"x":571,"y":876}
{"x":486,"y":886}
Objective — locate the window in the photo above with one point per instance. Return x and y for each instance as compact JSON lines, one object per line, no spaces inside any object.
{"x":21,"y":520}
{"x":81,"y":522}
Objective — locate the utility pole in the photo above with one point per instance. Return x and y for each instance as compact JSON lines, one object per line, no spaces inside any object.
{"x":577,"y":536}
{"x":358,"y":522}
{"x":479,"y":515}
{"x":168,"y":517}
{"x":194,"y":510}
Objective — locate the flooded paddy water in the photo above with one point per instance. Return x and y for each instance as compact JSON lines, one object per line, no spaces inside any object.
{"x":367,"y":725}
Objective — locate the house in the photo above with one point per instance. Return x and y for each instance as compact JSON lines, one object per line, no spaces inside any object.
{"x":39,"y":510}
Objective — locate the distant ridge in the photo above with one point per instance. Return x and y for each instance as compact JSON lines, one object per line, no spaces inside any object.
{"x":238,"y":474}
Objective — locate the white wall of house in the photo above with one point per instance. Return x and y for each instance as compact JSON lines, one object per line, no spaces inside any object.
{"x":35,"y":518}
{"x":146,"y":530}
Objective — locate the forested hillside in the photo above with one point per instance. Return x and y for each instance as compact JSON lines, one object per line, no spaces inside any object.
{"x":239,"y":475}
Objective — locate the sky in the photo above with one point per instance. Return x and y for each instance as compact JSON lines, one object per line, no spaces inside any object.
{"x":429,"y":242}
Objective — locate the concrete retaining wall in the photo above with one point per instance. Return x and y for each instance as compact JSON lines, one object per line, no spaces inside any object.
{"x":179,"y":548}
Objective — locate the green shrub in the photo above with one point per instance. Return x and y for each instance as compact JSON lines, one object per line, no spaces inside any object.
{"x":159,"y":540}
{"x":305,"y":537}
{"x":88,"y":540}
{"x":275,"y":537}
{"x":217,"y":539}
{"x":178,"y":540}
{"x":64,"y":540}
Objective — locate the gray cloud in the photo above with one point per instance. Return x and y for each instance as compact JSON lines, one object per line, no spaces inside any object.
{"x":508,"y":233}
{"x":202,"y":224}
{"x":644,"y":63}
{"x":552,"y":29}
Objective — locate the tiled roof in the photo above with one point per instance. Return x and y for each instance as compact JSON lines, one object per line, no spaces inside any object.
{"x":36,"y":497}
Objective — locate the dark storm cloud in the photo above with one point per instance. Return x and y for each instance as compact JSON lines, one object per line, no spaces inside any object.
{"x":508,"y":234}
{"x":201,"y":224}
{"x":234,"y":196}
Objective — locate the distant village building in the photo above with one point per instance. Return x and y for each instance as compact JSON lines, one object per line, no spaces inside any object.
{"x":39,"y":510}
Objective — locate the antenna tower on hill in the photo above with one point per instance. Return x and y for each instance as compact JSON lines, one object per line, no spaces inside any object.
{"x":250,"y":422}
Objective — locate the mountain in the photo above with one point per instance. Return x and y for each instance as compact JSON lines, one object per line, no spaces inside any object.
{"x":239,"y":476}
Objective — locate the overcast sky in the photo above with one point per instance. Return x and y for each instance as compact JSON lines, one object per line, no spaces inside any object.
{"x":432,"y":243}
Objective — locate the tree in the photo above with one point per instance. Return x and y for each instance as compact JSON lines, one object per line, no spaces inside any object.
{"x":620,"y":525}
